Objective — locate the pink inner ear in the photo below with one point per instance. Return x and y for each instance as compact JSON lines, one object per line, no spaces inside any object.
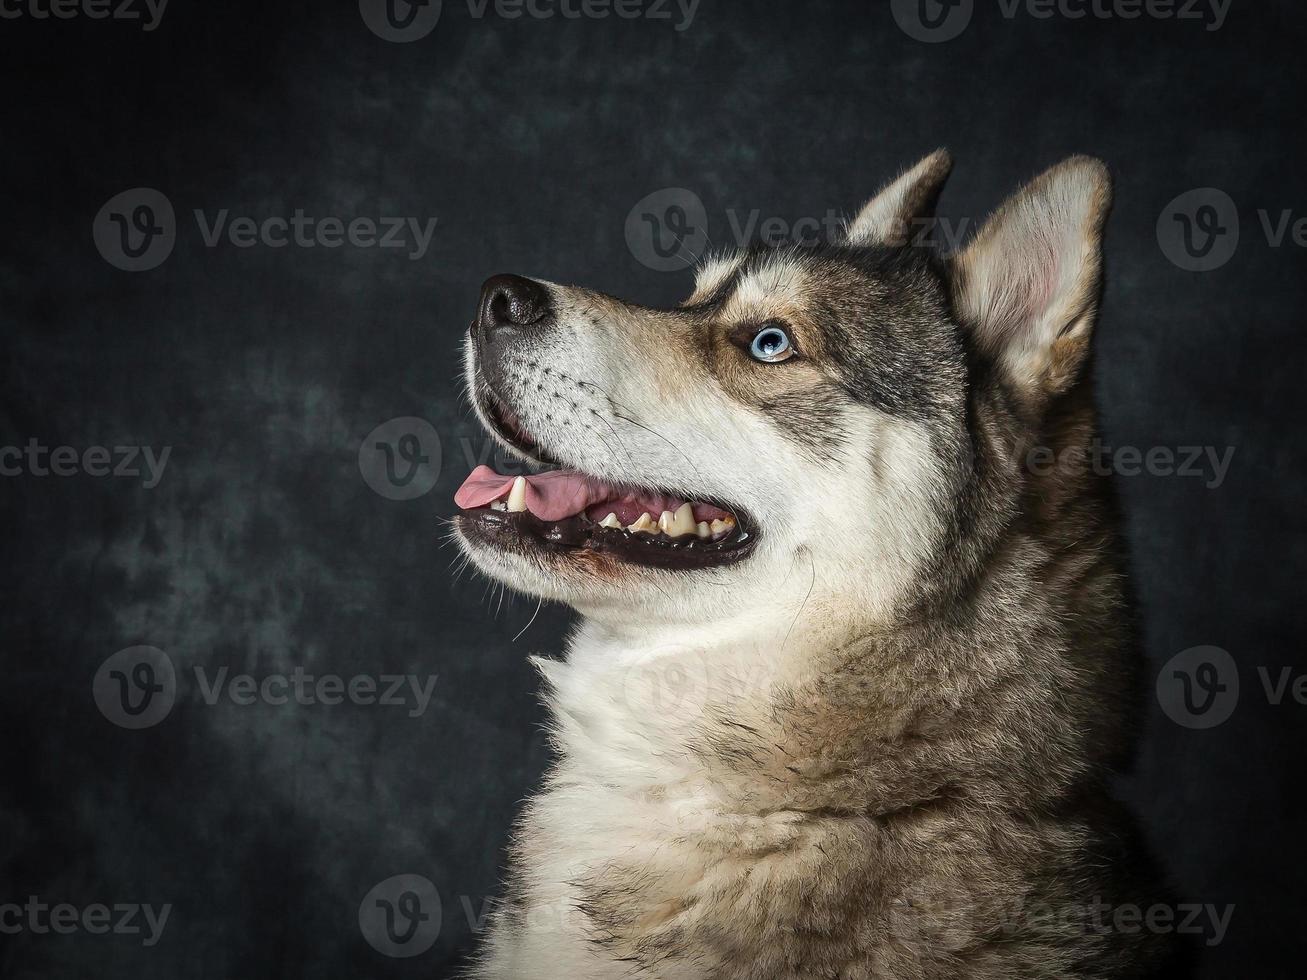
{"x":1035,"y":277}
{"x":1048,"y":278}
{"x":1033,"y":269}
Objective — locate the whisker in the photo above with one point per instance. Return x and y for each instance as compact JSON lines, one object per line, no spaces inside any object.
{"x":539,"y":603}
{"x":811,"y":585}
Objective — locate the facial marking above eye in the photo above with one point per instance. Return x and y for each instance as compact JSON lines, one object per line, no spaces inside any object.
{"x":771,"y":344}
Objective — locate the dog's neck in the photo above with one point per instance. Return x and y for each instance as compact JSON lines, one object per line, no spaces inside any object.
{"x":631,"y":695}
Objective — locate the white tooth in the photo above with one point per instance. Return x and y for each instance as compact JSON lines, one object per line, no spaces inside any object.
{"x":678,"y":524}
{"x":610,"y":521}
{"x":498,"y":505}
{"x":645,"y":524}
{"x":517,"y":496}
{"x":703,"y":530}
{"x":722,"y":528}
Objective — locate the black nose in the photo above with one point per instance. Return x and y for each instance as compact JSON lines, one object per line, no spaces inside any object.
{"x":511,"y":301}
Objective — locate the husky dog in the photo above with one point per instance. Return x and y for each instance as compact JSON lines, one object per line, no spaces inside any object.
{"x":855,"y":661}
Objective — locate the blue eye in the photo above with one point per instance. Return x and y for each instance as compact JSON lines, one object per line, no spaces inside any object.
{"x":771,"y":345}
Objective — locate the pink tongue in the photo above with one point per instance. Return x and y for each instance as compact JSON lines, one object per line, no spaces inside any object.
{"x":549,"y":496}
{"x":557,"y":494}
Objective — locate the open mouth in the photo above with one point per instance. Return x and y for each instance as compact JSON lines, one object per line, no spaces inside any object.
{"x":564,"y":509}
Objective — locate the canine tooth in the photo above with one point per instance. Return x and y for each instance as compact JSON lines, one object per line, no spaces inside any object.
{"x":517,"y":496}
{"x":678,"y":524}
{"x":703,"y":530}
{"x":610,"y":521}
{"x":645,"y":524}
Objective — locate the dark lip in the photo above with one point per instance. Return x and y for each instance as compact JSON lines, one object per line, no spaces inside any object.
{"x":573,"y":534}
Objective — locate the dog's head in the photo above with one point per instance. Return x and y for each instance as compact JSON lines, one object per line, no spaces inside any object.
{"x":805,"y":421}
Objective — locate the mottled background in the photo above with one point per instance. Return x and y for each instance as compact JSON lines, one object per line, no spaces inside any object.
{"x":262,"y":548}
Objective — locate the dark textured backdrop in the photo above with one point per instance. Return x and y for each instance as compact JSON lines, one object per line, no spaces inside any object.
{"x":263,"y":548}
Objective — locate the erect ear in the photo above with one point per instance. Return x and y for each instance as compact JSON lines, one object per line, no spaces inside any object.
{"x":1028,"y":285}
{"x":895,"y":214}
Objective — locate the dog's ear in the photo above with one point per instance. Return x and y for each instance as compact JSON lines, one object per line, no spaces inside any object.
{"x":1028,"y":285}
{"x":893,"y":215}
